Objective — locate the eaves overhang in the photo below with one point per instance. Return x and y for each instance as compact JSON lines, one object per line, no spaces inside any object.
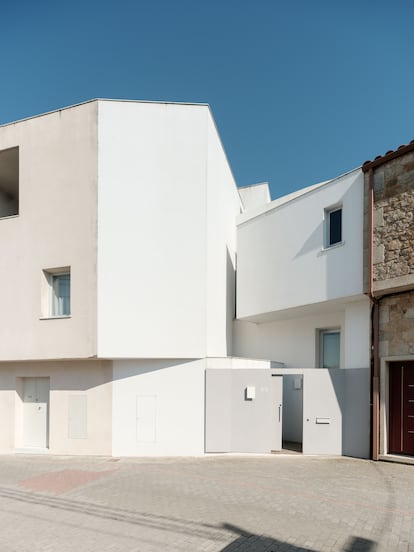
{"x":392,"y":154}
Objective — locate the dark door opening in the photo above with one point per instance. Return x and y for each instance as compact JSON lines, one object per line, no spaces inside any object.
{"x":401,"y":408}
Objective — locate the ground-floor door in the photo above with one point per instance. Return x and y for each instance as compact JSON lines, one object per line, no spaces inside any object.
{"x":401,"y":408}
{"x":35,"y":412}
{"x":277,"y":400}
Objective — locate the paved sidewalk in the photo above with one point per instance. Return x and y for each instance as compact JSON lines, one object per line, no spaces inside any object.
{"x":219,"y":503}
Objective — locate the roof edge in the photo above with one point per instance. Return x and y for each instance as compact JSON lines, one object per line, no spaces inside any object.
{"x":57,"y":110}
{"x":392,"y":154}
{"x":286,"y":199}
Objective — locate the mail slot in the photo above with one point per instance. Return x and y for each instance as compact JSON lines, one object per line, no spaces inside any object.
{"x":323,"y":420}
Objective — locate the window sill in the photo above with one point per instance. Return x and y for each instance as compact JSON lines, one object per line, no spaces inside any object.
{"x":55,"y":317}
{"x":7,"y":217}
{"x":334,"y":246}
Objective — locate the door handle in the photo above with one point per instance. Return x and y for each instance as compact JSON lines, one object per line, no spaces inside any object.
{"x":280,"y":406}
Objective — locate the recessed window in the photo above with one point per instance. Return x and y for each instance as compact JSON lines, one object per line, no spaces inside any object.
{"x":56,"y":293}
{"x":329,"y":348}
{"x":60,"y":287}
{"x":333,"y":220}
{"x":9,"y":182}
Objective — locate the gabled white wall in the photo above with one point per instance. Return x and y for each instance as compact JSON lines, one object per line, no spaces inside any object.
{"x":281,"y":259}
{"x":166,"y":233}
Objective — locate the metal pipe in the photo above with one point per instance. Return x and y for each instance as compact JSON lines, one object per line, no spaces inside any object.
{"x":375,"y":399}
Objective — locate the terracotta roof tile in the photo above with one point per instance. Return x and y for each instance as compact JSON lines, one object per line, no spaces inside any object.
{"x":391,"y":154}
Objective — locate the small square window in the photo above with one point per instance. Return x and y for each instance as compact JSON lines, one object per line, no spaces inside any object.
{"x":333,"y":222}
{"x":56,"y":293}
{"x":329,"y":348}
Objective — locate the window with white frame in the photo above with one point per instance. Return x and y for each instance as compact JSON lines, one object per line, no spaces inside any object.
{"x":60,"y":286}
{"x":57,"y":293}
{"x":329,"y":348}
{"x":333,"y":226}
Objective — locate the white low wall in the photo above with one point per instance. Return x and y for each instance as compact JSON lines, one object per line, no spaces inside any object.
{"x":158,"y":407}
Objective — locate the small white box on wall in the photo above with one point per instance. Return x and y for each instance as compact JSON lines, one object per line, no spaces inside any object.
{"x":250,"y":392}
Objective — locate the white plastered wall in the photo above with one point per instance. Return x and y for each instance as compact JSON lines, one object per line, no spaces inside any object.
{"x":166,"y":233}
{"x":151,"y":230}
{"x":173,"y":421}
{"x":357,"y":334}
{"x":292,"y":341}
{"x":282,"y":258}
{"x":223,"y":205}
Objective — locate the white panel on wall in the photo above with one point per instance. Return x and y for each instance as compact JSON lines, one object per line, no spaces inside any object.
{"x":77,"y":417}
{"x":146,"y":418}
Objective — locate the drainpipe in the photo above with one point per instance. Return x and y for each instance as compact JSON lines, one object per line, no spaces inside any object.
{"x":375,"y":324}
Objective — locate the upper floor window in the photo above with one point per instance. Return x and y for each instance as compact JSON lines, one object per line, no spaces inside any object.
{"x":60,"y":287}
{"x":56,"y":293}
{"x":9,"y":182}
{"x":333,"y":230}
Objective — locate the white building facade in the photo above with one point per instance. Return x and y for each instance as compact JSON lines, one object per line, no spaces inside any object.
{"x":121,"y":231}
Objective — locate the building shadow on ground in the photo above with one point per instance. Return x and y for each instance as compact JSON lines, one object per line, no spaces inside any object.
{"x":228,"y":537}
{"x":249,"y":542}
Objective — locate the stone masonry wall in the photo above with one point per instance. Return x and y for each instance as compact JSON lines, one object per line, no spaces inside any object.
{"x":396,"y":336}
{"x":394,"y":218}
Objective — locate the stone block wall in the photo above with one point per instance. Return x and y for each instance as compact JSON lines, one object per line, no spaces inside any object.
{"x":393,"y":252}
{"x":396,"y":325}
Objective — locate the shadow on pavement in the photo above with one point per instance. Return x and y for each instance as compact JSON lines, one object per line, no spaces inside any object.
{"x":244,"y":541}
{"x":358,"y":544}
{"x":249,"y":542}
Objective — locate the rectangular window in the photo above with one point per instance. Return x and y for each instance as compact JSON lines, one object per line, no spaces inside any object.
{"x":333,"y":226}
{"x":9,"y":182}
{"x":329,"y":348}
{"x":56,"y":293}
{"x":60,"y":286}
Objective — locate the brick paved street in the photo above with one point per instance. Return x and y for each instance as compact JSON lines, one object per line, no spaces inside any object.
{"x":227,"y":504}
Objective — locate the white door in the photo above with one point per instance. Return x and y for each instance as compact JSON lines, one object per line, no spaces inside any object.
{"x":35,"y":412}
{"x":323,"y":394}
{"x":277,"y":409}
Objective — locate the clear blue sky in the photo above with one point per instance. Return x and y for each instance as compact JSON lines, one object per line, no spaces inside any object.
{"x":301,"y":91}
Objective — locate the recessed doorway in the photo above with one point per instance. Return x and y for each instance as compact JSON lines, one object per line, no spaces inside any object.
{"x":292,"y":413}
{"x":401,"y":408}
